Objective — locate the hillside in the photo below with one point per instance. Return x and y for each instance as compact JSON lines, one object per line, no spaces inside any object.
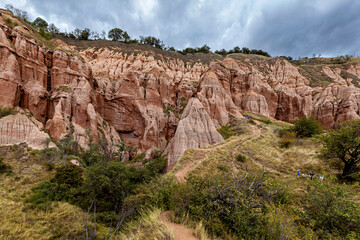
{"x":257,"y":141}
{"x":112,"y":140}
{"x":137,"y":93}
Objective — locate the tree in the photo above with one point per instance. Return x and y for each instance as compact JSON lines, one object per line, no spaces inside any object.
{"x":245,"y":50}
{"x":116,"y":34}
{"x":343,"y":144}
{"x":331,"y":208}
{"x":94,"y":35}
{"x":222,"y":52}
{"x":307,"y":127}
{"x":18,"y":12}
{"x":40,"y":23}
{"x":103,"y":34}
{"x":152,"y":41}
{"x":53,"y":29}
{"x":236,"y":49}
{"x":126,"y":37}
{"x":84,"y":34}
{"x":76,"y":33}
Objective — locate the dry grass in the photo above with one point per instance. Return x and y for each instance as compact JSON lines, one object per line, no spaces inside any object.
{"x":18,"y":222}
{"x":262,"y":151}
{"x":150,"y":226}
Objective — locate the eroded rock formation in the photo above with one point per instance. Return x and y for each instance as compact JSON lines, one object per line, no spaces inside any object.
{"x":195,"y":129}
{"x":153,"y":100}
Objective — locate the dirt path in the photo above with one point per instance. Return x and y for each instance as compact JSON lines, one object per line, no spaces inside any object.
{"x":180,"y":175}
{"x":180,"y":231}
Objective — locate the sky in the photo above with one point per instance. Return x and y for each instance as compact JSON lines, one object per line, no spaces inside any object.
{"x":296,"y":28}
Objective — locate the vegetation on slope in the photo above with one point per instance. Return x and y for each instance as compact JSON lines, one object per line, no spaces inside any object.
{"x":235,"y":189}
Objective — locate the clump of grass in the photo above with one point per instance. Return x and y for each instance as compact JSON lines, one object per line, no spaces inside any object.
{"x":4,"y":168}
{"x":252,"y":122}
{"x":64,"y":88}
{"x":200,"y":232}
{"x":266,"y":121}
{"x":9,"y":22}
{"x":183,"y":103}
{"x":285,"y":142}
{"x":5,"y":111}
{"x":240,"y":158}
{"x":150,"y":226}
{"x":226,"y":131}
{"x":139,"y":157}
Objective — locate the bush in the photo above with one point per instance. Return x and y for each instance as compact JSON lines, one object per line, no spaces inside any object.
{"x":70,"y":175}
{"x":9,"y":22}
{"x":240,"y":158}
{"x":285,"y":142}
{"x":307,"y":127}
{"x":157,"y":193}
{"x":42,"y":196}
{"x":4,"y":168}
{"x":331,"y":209}
{"x":226,"y":131}
{"x":49,"y":166}
{"x":266,"y":121}
{"x":5,"y":111}
{"x":252,"y":122}
{"x":229,"y":207}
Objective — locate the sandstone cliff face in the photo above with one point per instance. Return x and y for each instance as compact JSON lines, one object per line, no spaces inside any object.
{"x":56,"y":87}
{"x":19,"y":128}
{"x":153,"y":101}
{"x":195,"y":129}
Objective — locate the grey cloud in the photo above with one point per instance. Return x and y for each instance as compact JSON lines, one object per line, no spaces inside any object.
{"x":280,"y":27}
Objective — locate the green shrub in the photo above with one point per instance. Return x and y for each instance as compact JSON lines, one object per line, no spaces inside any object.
{"x":240,"y":158}
{"x":229,"y":207}
{"x":139,"y":157}
{"x":332,"y":209}
{"x":45,"y":34}
{"x":69,"y":174}
{"x":285,"y":142}
{"x":64,"y":88}
{"x":157,"y":193}
{"x":252,"y":122}
{"x":42,"y":196}
{"x":307,"y":127}
{"x":155,"y":165}
{"x":5,"y":111}
{"x":226,"y":131}
{"x":49,"y":166}
{"x":9,"y":22}
{"x":266,"y":121}
{"x":4,"y":168}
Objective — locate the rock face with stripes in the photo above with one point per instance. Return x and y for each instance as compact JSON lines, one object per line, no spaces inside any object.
{"x":195,"y":129}
{"x":20,"y":128}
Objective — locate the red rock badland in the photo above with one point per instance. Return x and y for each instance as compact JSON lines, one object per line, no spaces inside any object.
{"x":152,"y":100}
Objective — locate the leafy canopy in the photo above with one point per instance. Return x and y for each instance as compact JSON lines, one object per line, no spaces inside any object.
{"x":307,"y":127}
{"x":343,"y":144}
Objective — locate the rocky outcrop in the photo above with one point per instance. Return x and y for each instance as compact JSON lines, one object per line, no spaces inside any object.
{"x":140,"y":96}
{"x":19,"y":128}
{"x":195,"y":129}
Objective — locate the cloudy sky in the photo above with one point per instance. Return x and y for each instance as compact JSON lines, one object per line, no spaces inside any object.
{"x":281,"y":27}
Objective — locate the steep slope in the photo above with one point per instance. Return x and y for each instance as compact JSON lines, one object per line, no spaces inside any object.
{"x":116,"y":92}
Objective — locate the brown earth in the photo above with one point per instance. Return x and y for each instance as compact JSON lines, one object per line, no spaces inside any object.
{"x":180,"y":231}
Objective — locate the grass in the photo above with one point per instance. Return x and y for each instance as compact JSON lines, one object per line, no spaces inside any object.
{"x":5,"y":111}
{"x":259,"y":151}
{"x":64,"y":89}
{"x":149,"y":226}
{"x":9,"y":22}
{"x":17,"y":221}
